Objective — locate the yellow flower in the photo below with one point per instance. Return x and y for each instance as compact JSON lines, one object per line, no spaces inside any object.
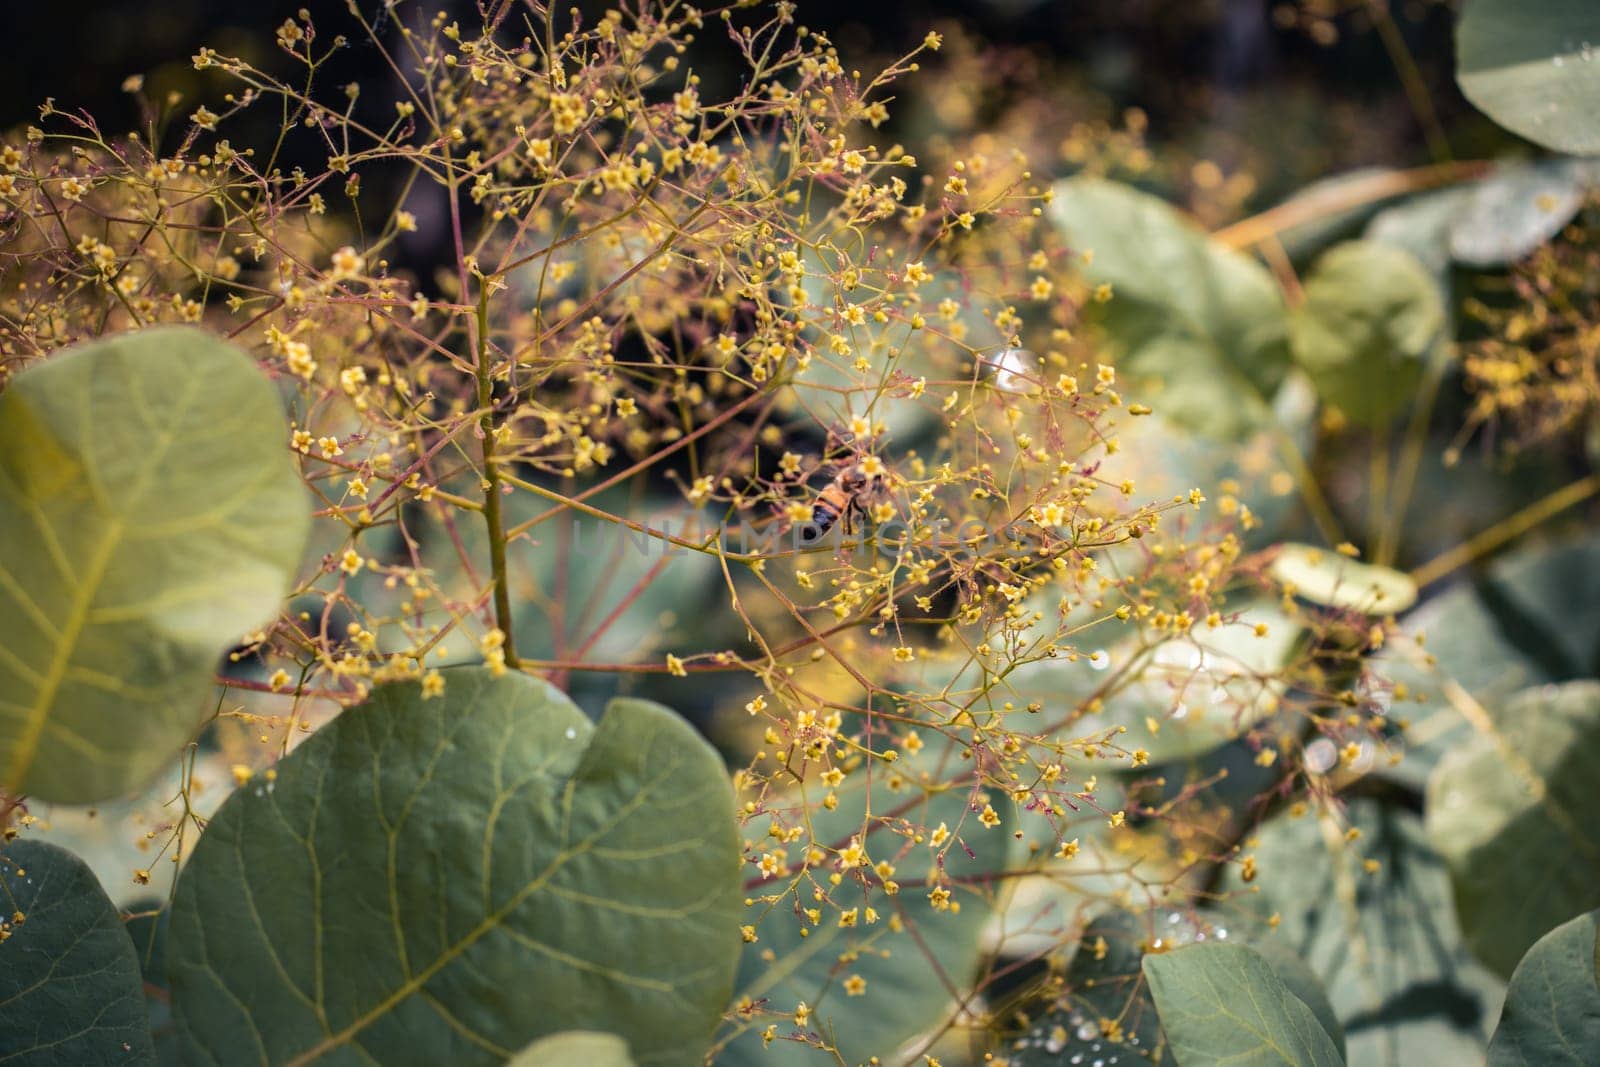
{"x":347,"y":263}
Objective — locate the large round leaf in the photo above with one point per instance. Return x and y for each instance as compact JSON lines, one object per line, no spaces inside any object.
{"x":1223,"y":1003}
{"x":1206,"y":322}
{"x":1552,"y":1013}
{"x":1385,"y":943}
{"x":445,"y":880}
{"x":1534,"y":67}
{"x":70,"y":990}
{"x":1370,"y":314}
{"x":1512,"y":812}
{"x":149,"y":515}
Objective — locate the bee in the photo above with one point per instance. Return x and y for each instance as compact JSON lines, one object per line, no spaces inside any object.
{"x":843,"y":498}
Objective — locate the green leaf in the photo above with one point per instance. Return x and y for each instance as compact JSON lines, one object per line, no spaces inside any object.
{"x":445,"y":880}
{"x":70,"y":990}
{"x":1552,"y":1012}
{"x":1534,"y":67}
{"x":1370,"y":314}
{"x":1223,"y":1003}
{"x":1422,"y":226}
{"x":1335,"y":581}
{"x":1199,"y":690}
{"x":575,"y":1048}
{"x":906,"y":991}
{"x":1385,"y":945}
{"x":1167,"y":459}
{"x":149,"y":515}
{"x":1303,"y":982}
{"x":1517,"y":208}
{"x":1512,"y":813}
{"x":1533,"y":616}
{"x":1105,"y":981}
{"x":1327,"y":221}
{"x":1206,"y":322}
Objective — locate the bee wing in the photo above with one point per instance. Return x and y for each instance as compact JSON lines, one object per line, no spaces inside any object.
{"x":1012,"y":365}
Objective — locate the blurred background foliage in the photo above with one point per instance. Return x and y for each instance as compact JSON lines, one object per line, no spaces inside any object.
{"x":1230,"y":112}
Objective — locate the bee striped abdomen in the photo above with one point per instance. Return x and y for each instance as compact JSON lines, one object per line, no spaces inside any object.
{"x":830,"y":504}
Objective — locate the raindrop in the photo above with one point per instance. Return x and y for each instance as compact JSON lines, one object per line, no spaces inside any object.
{"x":1088,"y":1031}
{"x":571,"y":733}
{"x":1012,"y":366}
{"x":1321,"y":755}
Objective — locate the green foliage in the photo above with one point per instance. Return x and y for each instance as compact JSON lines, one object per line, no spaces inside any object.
{"x":1103,"y":981}
{"x":1384,"y":943}
{"x":575,"y":1048}
{"x":911,"y":984}
{"x":1223,"y":1003}
{"x":1207,"y":322}
{"x":1334,"y":581}
{"x":1552,"y":1012}
{"x":1065,"y":775}
{"x":1517,"y":208}
{"x":1499,"y":219}
{"x":149,"y":516}
{"x":1105,"y":986}
{"x":1534,"y":67}
{"x":500,"y":868}
{"x":1510,"y":812}
{"x":70,"y":990}
{"x":1529,"y":618}
{"x":1370,"y":315}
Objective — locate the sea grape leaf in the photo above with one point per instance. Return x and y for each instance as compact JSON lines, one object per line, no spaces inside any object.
{"x":149,"y":515}
{"x":575,"y":1048}
{"x":1224,"y":1003}
{"x":1371,"y":313}
{"x":1534,"y":67}
{"x":446,"y":880}
{"x":906,"y":973}
{"x":1385,"y":942}
{"x":1204,"y":321}
{"x":1511,"y":812}
{"x":1552,"y":1012}
{"x":70,"y":990}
